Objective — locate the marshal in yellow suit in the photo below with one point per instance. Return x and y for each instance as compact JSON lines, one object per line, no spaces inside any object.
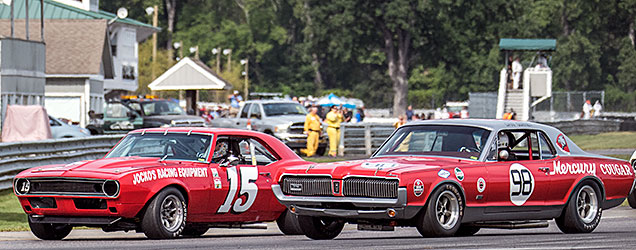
{"x":333,"y":120}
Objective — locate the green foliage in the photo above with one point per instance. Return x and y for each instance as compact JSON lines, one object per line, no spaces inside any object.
{"x":452,"y":51}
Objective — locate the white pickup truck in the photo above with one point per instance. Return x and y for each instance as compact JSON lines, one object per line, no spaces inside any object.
{"x":283,"y":119}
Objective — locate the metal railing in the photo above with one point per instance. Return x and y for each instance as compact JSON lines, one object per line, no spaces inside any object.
{"x":363,"y":138}
{"x":18,"y":156}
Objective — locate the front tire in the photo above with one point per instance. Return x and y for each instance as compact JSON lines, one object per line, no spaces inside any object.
{"x":320,"y":228}
{"x":166,"y":215}
{"x":49,"y":231}
{"x":443,"y":214}
{"x":288,"y":223}
{"x":582,"y":213}
{"x":631,"y":199}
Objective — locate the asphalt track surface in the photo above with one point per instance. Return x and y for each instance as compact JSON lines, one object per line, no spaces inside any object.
{"x":617,"y":230}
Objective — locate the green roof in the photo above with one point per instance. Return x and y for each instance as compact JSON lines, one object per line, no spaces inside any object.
{"x":527,"y":44}
{"x":55,"y":10}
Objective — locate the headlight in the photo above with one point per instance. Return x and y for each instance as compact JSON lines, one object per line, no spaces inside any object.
{"x":282,"y":128}
{"x":165,"y":126}
{"x":22,"y":186}
{"x":85,"y":131}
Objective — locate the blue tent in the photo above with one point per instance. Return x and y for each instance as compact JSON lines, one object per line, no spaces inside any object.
{"x":332,"y":99}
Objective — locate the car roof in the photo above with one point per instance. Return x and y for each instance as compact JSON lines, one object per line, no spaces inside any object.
{"x":496,"y":125}
{"x":271,"y":101}
{"x":490,"y":124}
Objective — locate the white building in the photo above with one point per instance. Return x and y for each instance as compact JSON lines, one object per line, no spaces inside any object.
{"x":89,"y":53}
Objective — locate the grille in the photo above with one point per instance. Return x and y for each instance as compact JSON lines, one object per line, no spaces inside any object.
{"x":307,"y":185}
{"x":297,"y":128}
{"x":370,"y":187}
{"x":67,"y":186}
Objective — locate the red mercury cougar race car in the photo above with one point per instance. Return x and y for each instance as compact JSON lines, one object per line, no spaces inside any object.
{"x":163,"y":182}
{"x":453,"y":177}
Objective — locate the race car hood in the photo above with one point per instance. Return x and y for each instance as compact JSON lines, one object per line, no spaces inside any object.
{"x":381,"y":166}
{"x":111,"y":166}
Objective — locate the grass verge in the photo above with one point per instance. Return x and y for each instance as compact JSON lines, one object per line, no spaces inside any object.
{"x":611,"y":140}
{"x":12,"y":217}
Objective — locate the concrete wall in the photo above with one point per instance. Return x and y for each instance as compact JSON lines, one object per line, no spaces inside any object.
{"x":22,"y":77}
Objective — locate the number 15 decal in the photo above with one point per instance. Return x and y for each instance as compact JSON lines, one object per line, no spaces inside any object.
{"x":249,"y":189}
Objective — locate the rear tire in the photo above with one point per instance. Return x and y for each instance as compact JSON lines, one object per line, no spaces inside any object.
{"x":582,"y":213}
{"x":320,"y":228}
{"x":288,"y":223}
{"x":166,"y":215}
{"x":443,"y":214}
{"x":48,"y":231}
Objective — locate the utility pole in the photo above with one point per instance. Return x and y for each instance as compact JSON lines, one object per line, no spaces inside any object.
{"x":41,"y":20}
{"x":12,"y":20}
{"x":155,"y":20}
{"x":218,"y":60}
{"x":27,"y":18}
{"x":246,"y":62}
{"x":229,"y":58}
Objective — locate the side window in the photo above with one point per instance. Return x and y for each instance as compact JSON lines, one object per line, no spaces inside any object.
{"x":245,"y":109}
{"x":547,"y":151}
{"x":535,"y":145}
{"x":53,"y":123}
{"x":255,"y":111}
{"x":254,"y":153}
{"x":116,"y":110}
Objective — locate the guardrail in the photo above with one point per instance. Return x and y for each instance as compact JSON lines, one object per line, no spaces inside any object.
{"x":363,"y":138}
{"x":18,"y":156}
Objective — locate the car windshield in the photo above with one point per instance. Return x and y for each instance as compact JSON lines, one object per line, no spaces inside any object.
{"x":194,"y":147}
{"x":161,"y":108}
{"x":274,"y":109}
{"x":451,"y":141}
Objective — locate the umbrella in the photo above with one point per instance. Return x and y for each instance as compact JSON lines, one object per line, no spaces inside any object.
{"x":332,"y":99}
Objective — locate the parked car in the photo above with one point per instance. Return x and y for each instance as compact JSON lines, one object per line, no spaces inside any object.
{"x":60,"y":129}
{"x":284,"y":120}
{"x":122,"y":116}
{"x":454,"y":177}
{"x":164,"y":182}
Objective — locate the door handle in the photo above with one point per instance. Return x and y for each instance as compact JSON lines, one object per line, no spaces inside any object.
{"x":544,"y":169}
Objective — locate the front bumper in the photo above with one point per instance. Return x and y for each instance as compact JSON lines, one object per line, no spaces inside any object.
{"x":356,"y":207}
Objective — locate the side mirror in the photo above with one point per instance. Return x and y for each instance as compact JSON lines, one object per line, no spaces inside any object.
{"x":230,"y":161}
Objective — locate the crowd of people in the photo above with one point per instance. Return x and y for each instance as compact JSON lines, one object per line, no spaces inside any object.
{"x":440,"y":113}
{"x":591,"y":111}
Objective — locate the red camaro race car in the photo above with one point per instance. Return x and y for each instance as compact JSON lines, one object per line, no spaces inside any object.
{"x":163,"y":182}
{"x":453,"y":177}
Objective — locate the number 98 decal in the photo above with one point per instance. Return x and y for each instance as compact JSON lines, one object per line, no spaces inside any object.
{"x":521,"y":184}
{"x":248,"y":189}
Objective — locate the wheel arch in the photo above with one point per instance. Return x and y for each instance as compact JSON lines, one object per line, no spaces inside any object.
{"x":457,"y":185}
{"x":177,"y":186}
{"x":594,"y":179}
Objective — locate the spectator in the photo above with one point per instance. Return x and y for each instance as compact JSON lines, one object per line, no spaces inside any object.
{"x":517,"y":69}
{"x":597,"y":108}
{"x":360,"y":114}
{"x":313,"y":130}
{"x":235,"y":102}
{"x":409,"y":113}
{"x":587,"y":108}
{"x":401,"y":121}
{"x":445,"y":114}
{"x":333,"y":120}
{"x":347,"y":114}
{"x":464,"y":113}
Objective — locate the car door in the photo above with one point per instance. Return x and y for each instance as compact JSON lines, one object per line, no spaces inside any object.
{"x":241,"y":121}
{"x":255,"y":118}
{"x":519,"y":183}
{"x":245,"y":192}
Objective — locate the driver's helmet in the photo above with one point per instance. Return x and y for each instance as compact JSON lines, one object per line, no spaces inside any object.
{"x":503,"y":140}
{"x":220,"y":149}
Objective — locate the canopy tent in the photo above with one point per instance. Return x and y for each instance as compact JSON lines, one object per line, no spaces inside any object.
{"x":189,"y":75}
{"x":527,"y":44}
{"x":332,"y":99}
